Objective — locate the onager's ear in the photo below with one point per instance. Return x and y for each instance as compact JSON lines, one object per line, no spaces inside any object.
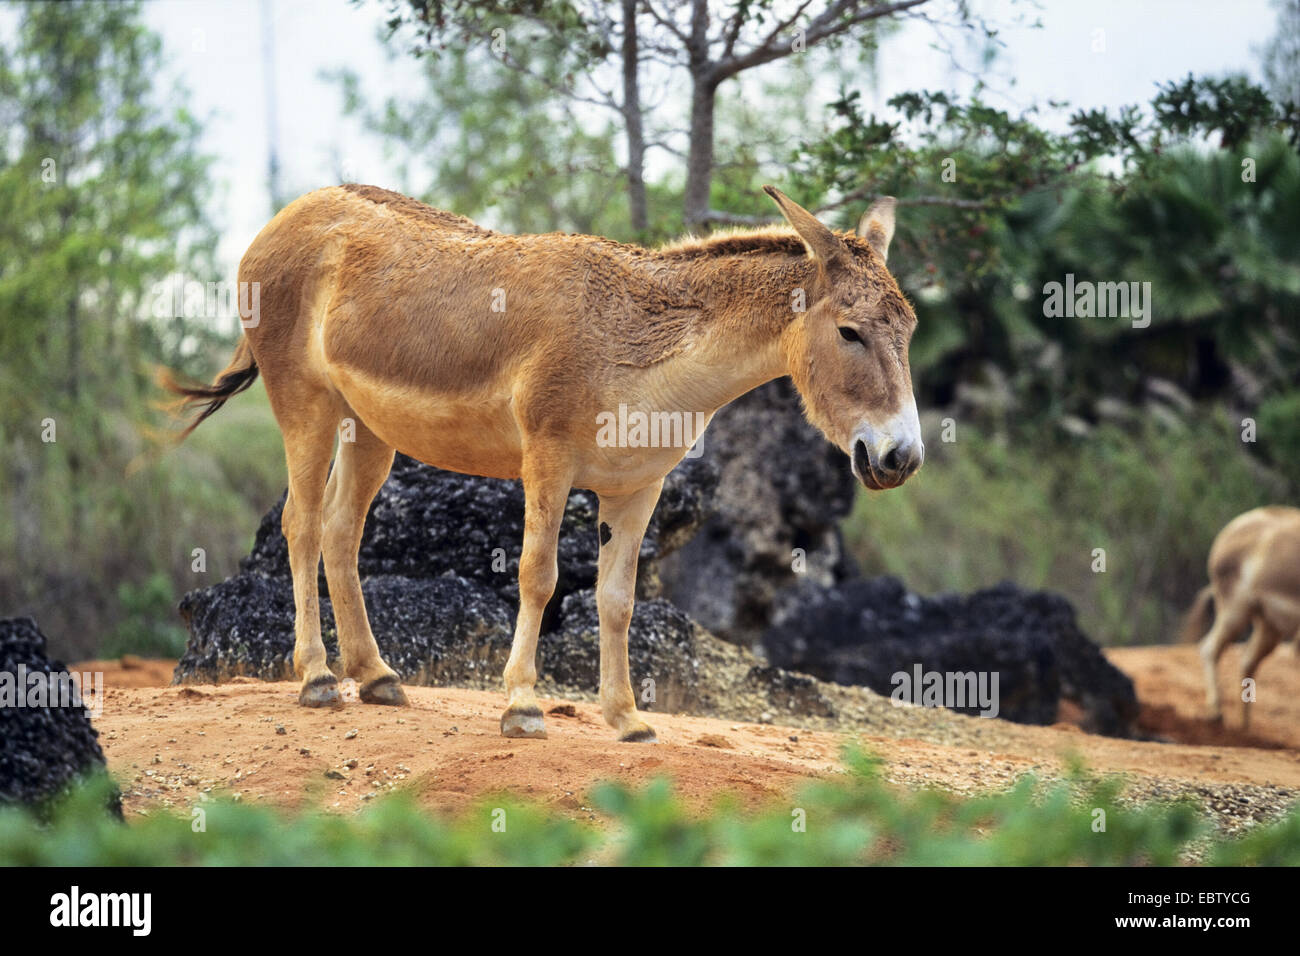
{"x":877,"y":225}
{"x":821,"y":242}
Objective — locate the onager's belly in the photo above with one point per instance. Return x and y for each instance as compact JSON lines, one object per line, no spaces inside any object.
{"x":474,"y":433}
{"x":474,"y":430}
{"x":625,"y":455}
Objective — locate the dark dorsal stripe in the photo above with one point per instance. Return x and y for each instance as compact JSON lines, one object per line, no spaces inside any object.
{"x":406,"y":206}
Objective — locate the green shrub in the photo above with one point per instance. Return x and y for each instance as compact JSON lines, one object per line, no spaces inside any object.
{"x":1278,"y":434}
{"x":853,"y":818}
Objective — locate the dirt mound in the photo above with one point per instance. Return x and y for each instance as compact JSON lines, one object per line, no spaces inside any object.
{"x":172,"y":746}
{"x":249,"y":738}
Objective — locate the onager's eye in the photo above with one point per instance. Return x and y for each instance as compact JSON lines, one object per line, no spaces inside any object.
{"x":849,"y":334}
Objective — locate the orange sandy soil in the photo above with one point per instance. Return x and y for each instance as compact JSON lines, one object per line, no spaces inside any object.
{"x":167,"y":744}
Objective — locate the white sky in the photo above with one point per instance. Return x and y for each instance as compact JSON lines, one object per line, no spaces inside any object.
{"x":214,"y":48}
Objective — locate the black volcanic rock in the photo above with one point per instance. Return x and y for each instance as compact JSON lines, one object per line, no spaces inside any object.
{"x":43,"y":749}
{"x":864,"y":631}
{"x":782,"y":492}
{"x":425,"y":522}
{"x":443,"y":630}
{"x":439,"y":564}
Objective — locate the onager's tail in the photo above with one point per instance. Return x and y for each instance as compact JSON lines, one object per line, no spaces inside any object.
{"x":1199,"y":617}
{"x":237,"y":376}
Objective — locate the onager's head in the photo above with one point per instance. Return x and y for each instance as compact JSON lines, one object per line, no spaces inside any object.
{"x":848,"y":353}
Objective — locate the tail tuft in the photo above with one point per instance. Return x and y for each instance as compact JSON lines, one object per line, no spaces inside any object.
{"x":237,"y":376}
{"x":1199,"y":617}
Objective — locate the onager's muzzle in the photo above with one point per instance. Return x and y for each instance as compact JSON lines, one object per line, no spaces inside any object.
{"x":886,"y":457}
{"x":889,"y":469}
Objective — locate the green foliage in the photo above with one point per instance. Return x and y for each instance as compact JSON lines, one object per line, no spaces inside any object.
{"x":855,"y":818}
{"x":434,"y":24}
{"x":1276,"y":845}
{"x":1220,"y":254}
{"x":1152,"y":495}
{"x":393,"y":832}
{"x":1231,"y":107}
{"x":103,"y":192}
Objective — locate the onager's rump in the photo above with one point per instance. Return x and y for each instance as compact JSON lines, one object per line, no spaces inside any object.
{"x":1254,"y":567}
{"x":501,"y":355}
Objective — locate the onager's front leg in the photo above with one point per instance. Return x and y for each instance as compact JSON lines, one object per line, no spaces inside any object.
{"x":544,"y":500}
{"x":623,"y":521}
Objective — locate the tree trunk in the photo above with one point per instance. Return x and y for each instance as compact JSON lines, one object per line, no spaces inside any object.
{"x":636,"y":198}
{"x":704,"y":88}
{"x":699,"y":161}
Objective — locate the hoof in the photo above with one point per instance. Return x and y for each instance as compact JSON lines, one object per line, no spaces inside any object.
{"x":321,"y":692}
{"x":523,"y":722}
{"x":384,"y":690}
{"x":639,"y":735}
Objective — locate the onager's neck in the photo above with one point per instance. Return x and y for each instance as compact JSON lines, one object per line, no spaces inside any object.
{"x":749,"y":297}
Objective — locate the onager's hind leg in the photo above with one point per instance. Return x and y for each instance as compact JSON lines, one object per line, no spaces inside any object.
{"x":544,"y":500}
{"x":308,"y":443}
{"x":1263,"y":639}
{"x":1228,"y":623}
{"x":359,"y":470}
{"x":623,"y":521}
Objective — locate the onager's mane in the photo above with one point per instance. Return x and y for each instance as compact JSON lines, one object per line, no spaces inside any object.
{"x":415,"y":210}
{"x":764,"y":240}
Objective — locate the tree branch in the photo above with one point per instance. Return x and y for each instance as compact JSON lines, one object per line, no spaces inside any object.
{"x":830,"y":22}
{"x":667,"y":24}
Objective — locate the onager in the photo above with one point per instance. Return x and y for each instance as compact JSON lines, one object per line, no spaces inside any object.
{"x":499,"y":355}
{"x":1254,"y":569}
